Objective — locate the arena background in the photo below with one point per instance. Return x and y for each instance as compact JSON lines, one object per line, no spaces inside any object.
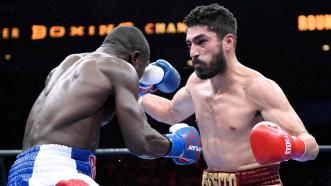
{"x":269,"y":40}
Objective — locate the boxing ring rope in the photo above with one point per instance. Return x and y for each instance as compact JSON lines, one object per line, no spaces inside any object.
{"x":124,"y":151}
{"x":99,"y":152}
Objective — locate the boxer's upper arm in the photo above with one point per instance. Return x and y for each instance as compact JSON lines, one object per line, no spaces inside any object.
{"x":124,"y":82}
{"x":128,"y":112}
{"x":274,"y":105}
{"x":182,"y":105}
{"x":137,"y":133}
{"x":124,"y":85}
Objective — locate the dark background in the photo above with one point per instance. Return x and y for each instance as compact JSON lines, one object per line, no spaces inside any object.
{"x":268,"y":41}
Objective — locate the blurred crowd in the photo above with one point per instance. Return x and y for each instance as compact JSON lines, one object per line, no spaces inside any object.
{"x":131,"y":171}
{"x":134,"y":171}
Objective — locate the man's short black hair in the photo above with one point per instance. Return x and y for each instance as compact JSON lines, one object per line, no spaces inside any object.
{"x":217,"y":18}
{"x":128,"y":39}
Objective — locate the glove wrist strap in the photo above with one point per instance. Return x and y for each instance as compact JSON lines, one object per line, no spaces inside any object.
{"x":299,"y":148}
{"x":177,"y":146}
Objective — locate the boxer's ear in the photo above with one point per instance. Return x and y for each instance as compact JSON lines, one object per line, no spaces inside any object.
{"x":135,"y":57}
{"x":228,"y":41}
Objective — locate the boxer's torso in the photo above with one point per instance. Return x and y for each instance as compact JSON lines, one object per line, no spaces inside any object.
{"x":68,"y":111}
{"x":225,"y":119}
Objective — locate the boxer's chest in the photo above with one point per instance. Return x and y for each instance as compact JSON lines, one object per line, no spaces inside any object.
{"x":229,"y":109}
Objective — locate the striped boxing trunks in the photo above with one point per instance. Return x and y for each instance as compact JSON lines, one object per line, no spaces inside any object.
{"x":53,"y":165}
{"x":268,"y":175}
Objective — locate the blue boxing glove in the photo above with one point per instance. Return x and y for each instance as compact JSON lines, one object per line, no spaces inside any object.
{"x":171,"y":79}
{"x":185,"y":144}
{"x":159,"y":75}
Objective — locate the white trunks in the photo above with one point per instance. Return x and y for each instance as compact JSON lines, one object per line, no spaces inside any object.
{"x":53,"y":165}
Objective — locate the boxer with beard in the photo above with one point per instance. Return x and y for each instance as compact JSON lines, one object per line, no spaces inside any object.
{"x":247,"y":124}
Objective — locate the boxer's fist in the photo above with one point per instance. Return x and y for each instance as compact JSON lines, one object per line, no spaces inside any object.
{"x":159,"y":75}
{"x":171,"y":79}
{"x":271,"y":144}
{"x":152,"y":76}
{"x":185,"y":144}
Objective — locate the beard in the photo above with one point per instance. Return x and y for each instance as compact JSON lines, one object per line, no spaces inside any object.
{"x":217,"y":66}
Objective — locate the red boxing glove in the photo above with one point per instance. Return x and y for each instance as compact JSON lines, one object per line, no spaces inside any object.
{"x":271,"y":144}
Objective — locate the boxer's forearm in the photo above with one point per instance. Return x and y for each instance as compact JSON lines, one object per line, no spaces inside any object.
{"x":312,"y":148}
{"x":153,"y":146}
{"x":157,"y":107}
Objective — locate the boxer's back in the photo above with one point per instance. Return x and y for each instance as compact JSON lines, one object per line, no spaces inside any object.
{"x":68,"y":111}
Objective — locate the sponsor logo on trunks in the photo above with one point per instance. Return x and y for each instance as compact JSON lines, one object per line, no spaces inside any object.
{"x":226,"y":179}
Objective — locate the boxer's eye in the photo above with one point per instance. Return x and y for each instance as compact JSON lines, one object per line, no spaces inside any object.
{"x":188,"y":45}
{"x":202,"y":42}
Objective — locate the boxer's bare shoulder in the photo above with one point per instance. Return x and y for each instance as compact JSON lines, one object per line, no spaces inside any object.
{"x":193,"y":81}
{"x":64,"y":65}
{"x":113,"y":68}
{"x":261,"y":88}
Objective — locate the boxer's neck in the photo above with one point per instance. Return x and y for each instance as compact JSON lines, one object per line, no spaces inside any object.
{"x":229,"y":77}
